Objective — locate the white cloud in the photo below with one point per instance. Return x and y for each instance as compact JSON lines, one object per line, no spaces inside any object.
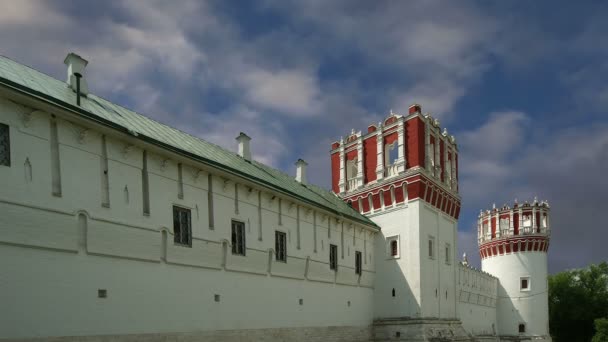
{"x":291,"y":92}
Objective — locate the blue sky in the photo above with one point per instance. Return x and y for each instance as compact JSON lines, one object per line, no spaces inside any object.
{"x":522,"y":86}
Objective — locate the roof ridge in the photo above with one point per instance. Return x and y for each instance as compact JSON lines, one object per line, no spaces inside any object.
{"x":54,"y":90}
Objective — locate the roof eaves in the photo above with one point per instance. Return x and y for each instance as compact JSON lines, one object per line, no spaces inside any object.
{"x":100,"y":120}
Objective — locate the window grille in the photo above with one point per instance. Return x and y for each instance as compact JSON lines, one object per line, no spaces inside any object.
{"x":522,"y":328}
{"x":333,"y":257}
{"x":280,"y":246}
{"x":238,"y":238}
{"x":182,"y":229}
{"x":358,"y":262}
{"x":5,"y":146}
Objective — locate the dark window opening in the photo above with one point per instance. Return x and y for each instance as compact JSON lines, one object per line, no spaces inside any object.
{"x":394,"y":248}
{"x":393,"y":292}
{"x":5,"y":146}
{"x":358,"y":263}
{"x":524,"y":284}
{"x":238,"y":238}
{"x":522,"y":328}
{"x":333,"y":257}
{"x":280,"y":246}
{"x":182,"y":230}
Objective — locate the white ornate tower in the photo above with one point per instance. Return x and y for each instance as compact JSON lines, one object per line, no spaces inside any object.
{"x":513,"y":245}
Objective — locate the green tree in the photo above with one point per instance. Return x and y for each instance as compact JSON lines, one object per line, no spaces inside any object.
{"x":601,"y":330}
{"x":576,"y":299}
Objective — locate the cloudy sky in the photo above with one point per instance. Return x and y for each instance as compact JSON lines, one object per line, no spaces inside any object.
{"x":523,"y":88}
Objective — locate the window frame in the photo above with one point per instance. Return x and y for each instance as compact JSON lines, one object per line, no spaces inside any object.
{"x":448,"y":254}
{"x":358,"y":263}
{"x":280,"y":237}
{"x":238,"y":238}
{"x":431,"y":247}
{"x":519,"y":328}
{"x":389,"y":244}
{"x":178,"y":237}
{"x":528,"y":283}
{"x":5,"y":128}
{"x":333,"y":257}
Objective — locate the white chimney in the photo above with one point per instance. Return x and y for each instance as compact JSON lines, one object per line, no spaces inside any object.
{"x":76,"y":65}
{"x":244,"y":150}
{"x":301,"y":171}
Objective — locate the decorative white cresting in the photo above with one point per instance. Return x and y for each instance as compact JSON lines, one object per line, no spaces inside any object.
{"x":244,"y":149}
{"x":301,"y":171}
{"x":76,"y":66}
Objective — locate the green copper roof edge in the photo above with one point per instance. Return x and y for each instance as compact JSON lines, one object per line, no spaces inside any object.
{"x":75,"y":109}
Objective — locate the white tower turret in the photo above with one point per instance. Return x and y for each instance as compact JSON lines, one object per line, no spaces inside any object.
{"x":513,"y":245}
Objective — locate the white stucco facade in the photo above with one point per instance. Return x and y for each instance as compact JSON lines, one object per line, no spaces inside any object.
{"x":108,"y":236}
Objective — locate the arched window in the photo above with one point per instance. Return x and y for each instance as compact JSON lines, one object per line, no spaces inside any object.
{"x":391,"y":153}
{"x":522,"y":328}
{"x":352,"y":168}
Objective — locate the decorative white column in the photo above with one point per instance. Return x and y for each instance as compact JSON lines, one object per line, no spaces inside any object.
{"x":360,"y":161}
{"x":400,"y":162}
{"x":497,"y":220}
{"x":380,"y":153}
{"x":427,"y":144}
{"x":342,"y":183}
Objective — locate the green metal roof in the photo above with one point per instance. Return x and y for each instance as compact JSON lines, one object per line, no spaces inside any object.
{"x":34,"y":83}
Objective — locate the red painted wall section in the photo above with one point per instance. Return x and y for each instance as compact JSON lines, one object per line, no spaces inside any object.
{"x":414,"y":130}
{"x":399,"y":194}
{"x":370,"y":157}
{"x":493,"y":225}
{"x":355,"y":205}
{"x":415,"y":190}
{"x":387,"y":198}
{"x":376,"y":201}
{"x":335,"y":172}
{"x":515,"y":223}
{"x":365,"y":204}
{"x":351,"y":155}
{"x":442,"y":159}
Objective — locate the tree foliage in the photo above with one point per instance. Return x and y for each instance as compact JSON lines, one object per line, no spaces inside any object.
{"x":576,"y":299}
{"x":601,"y":330}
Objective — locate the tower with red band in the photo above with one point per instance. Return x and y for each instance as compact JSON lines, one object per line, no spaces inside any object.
{"x":513,"y":245}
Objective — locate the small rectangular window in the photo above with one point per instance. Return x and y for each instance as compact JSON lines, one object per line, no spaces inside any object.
{"x":280,"y":246}
{"x":448,"y":254}
{"x":333,"y":257}
{"x":431,"y":247}
{"x":238,"y":238}
{"x":182,"y":230}
{"x":392,"y":247}
{"x":5,"y":145}
{"x":357,"y":262}
{"x":524,"y":283}
{"x":522,"y":328}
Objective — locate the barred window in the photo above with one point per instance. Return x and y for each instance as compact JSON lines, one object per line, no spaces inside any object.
{"x":5,"y":146}
{"x":182,"y":229}
{"x":333,"y":257}
{"x":280,"y":246}
{"x":238,"y":238}
{"x":357,"y":262}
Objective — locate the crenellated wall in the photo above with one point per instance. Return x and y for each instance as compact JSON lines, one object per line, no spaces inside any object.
{"x":60,"y":250}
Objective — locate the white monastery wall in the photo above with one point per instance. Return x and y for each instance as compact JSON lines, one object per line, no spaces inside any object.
{"x":514,"y":305}
{"x":401,"y":273}
{"x":438,"y":278}
{"x":70,"y":246}
{"x":477,"y":295}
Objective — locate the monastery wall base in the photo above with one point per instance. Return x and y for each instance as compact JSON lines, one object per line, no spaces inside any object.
{"x":423,"y":330}
{"x":312,"y":334}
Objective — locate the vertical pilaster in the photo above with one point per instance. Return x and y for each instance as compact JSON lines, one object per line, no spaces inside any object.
{"x":380,"y":149}
{"x":427,"y":145}
{"x":360,"y":161}
{"x":342,"y":183}
{"x":400,"y":162}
